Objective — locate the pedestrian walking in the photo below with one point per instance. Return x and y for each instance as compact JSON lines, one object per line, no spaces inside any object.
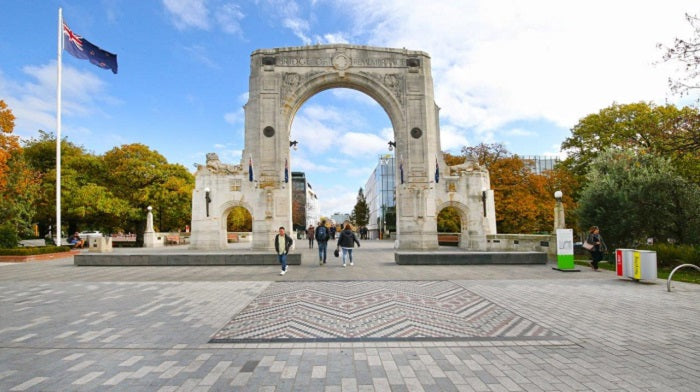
{"x":599,"y":248}
{"x":310,"y":235}
{"x":333,"y":230}
{"x":347,"y":241}
{"x":322,"y":237}
{"x":282,"y":244}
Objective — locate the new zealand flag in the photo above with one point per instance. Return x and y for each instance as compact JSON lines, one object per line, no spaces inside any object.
{"x":83,"y":49}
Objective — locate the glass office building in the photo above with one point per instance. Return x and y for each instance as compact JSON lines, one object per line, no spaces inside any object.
{"x":380,"y":194}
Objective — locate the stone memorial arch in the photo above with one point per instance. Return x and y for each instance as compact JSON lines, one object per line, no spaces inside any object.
{"x":281,"y":80}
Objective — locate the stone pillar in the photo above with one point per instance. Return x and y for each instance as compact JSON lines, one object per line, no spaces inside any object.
{"x":559,"y":219}
{"x":149,"y":236}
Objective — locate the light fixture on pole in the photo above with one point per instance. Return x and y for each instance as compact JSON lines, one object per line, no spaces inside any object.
{"x":558,"y":195}
{"x":207,"y":199}
{"x":293,"y":144}
{"x":392,"y":145}
{"x":559,"y":216}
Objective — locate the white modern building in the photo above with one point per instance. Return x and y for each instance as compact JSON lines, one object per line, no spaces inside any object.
{"x":313,"y":207}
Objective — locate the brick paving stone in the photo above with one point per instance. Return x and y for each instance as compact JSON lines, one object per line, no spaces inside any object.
{"x":132,"y":329}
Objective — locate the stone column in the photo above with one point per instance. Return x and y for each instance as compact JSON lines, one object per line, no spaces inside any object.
{"x":149,"y":236}
{"x":559,"y":219}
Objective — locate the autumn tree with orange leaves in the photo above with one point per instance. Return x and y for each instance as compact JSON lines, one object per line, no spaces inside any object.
{"x":18,"y":183}
{"x":524,"y":200}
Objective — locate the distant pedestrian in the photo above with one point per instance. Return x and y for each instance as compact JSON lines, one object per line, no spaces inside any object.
{"x":310,"y":236}
{"x":594,"y":238}
{"x":347,"y":241}
{"x":282,"y":244}
{"x":333,"y":230}
{"x":322,"y":237}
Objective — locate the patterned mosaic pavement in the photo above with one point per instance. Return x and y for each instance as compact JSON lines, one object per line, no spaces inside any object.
{"x":374,"y":311}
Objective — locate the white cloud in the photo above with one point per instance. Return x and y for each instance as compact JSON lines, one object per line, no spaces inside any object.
{"x":200,"y":54}
{"x":451,"y":139}
{"x":313,"y":135}
{"x":336,"y":199}
{"x":237,"y":116}
{"x":188,"y":13}
{"x":495,"y":63}
{"x":34,"y":102}
{"x":332,"y":38}
{"x":362,"y":145}
{"x":309,"y":165}
{"x":354,"y":96}
{"x":229,"y":17}
{"x":204,"y":15}
{"x":519,"y":132}
{"x":299,"y":27}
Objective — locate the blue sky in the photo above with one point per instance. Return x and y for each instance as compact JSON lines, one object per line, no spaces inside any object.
{"x":519,"y":73}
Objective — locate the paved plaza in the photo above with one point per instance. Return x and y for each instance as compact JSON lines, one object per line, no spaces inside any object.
{"x":375,"y":326}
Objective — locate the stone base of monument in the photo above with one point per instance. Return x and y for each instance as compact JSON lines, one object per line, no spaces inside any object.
{"x":468,"y":258}
{"x":181,"y":259}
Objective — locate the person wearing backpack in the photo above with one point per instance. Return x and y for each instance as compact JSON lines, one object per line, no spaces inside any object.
{"x":346,"y":241}
{"x":322,"y":236}
{"x":282,"y":244}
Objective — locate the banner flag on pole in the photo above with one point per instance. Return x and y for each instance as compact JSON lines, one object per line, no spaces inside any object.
{"x":401,"y":170}
{"x":81,"y":48}
{"x":250,"y":168}
{"x":286,"y":171}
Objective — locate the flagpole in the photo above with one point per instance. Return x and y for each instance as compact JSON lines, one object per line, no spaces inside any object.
{"x":58,"y":128}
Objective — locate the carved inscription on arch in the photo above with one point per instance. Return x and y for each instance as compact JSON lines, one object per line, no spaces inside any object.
{"x":347,"y":61}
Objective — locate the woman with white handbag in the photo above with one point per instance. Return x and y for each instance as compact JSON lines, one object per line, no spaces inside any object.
{"x":594,"y":243}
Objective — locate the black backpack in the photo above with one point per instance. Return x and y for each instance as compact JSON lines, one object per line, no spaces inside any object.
{"x":321,"y":234}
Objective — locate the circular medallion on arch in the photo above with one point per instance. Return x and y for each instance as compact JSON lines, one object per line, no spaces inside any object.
{"x":269,"y":131}
{"x":416,"y":133}
{"x":341,"y":62}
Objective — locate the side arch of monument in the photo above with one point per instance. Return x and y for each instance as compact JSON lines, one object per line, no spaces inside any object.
{"x":281,"y":80}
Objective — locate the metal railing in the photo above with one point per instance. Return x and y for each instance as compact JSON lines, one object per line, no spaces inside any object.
{"x":668,"y":282}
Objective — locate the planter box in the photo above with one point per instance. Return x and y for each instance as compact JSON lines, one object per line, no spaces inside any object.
{"x":43,"y":257}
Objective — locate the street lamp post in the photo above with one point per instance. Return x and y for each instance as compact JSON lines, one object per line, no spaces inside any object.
{"x":559,"y":217}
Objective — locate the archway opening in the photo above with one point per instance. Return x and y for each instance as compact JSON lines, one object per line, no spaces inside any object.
{"x":239,"y":226}
{"x":449,"y":226}
{"x":343,"y":137}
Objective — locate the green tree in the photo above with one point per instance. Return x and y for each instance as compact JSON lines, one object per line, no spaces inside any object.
{"x":632,"y":196}
{"x":449,"y":221}
{"x":86,"y":198}
{"x":239,"y":219}
{"x":665,"y":131}
{"x":19,"y":184}
{"x":140,"y":176}
{"x":360,"y":213}
{"x":524,"y":200}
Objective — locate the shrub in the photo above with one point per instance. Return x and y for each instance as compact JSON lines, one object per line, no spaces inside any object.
{"x":669,"y":256}
{"x":39,"y":250}
{"x":8,"y":236}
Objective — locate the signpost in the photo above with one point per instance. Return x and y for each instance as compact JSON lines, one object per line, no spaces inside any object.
{"x":565,"y":251}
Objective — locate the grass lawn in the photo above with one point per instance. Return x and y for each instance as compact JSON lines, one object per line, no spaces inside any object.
{"x":688,"y":275}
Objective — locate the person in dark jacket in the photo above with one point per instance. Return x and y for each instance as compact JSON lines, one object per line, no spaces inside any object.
{"x":322,"y":237}
{"x":310,"y":235}
{"x":347,"y":241}
{"x":599,"y":247}
{"x":282,"y":244}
